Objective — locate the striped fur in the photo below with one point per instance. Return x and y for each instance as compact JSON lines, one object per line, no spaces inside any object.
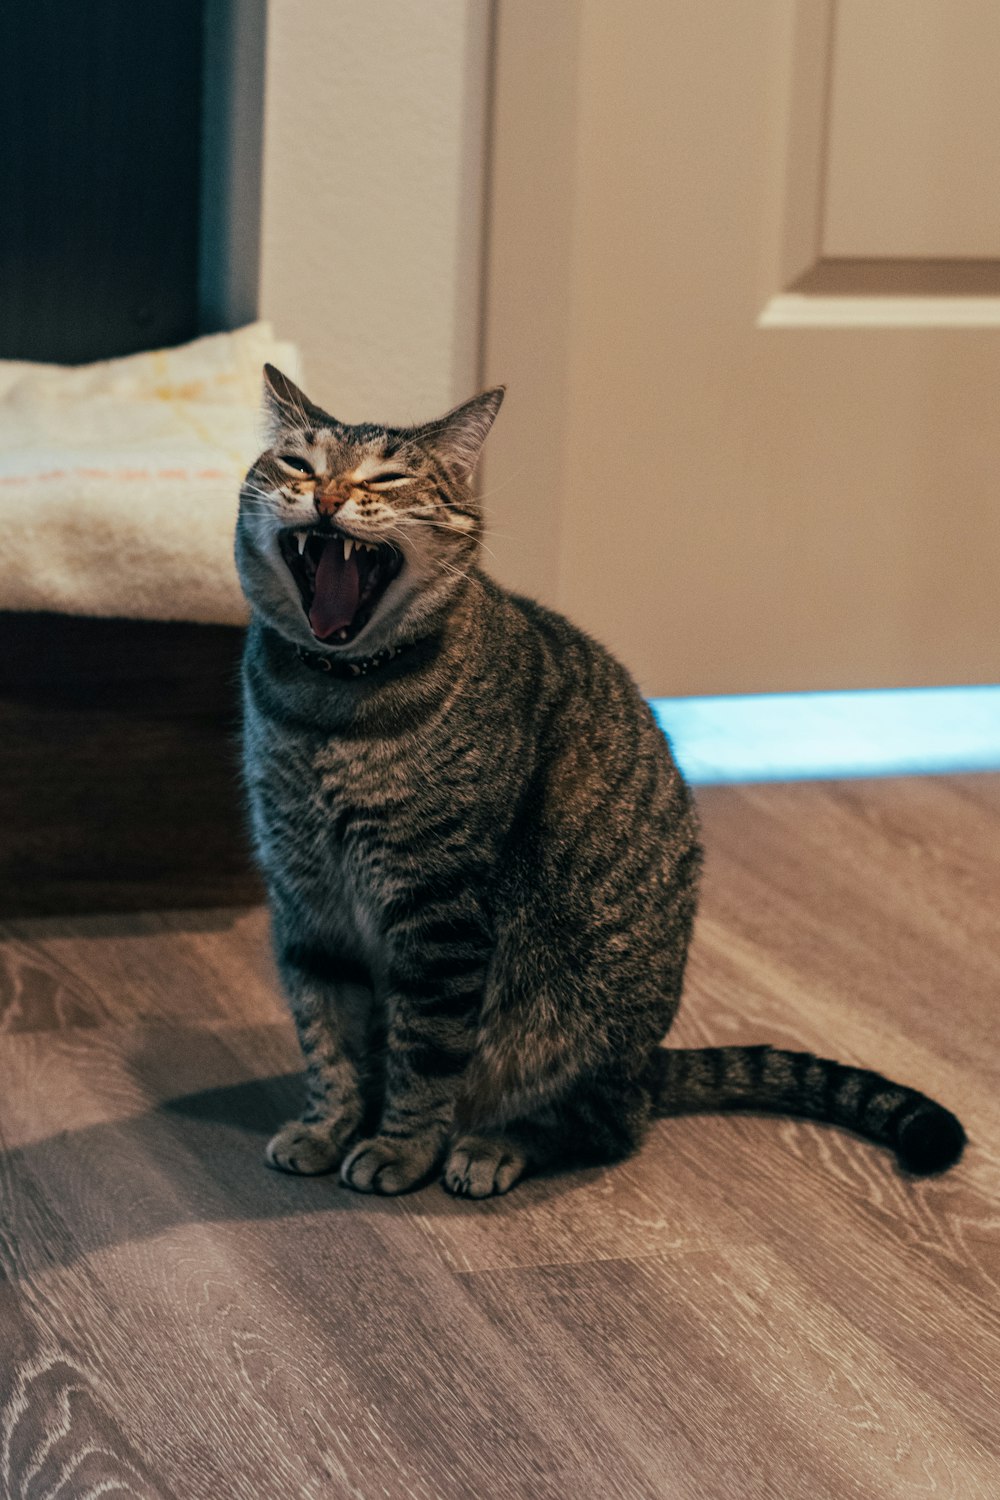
{"x":925,"y":1137}
{"x":481,"y":858}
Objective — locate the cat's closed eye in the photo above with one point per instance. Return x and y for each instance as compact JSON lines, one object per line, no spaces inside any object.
{"x":293,"y":461}
{"x":391,"y":476}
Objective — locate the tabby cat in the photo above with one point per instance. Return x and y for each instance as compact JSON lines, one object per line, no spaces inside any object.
{"x":481,"y":859}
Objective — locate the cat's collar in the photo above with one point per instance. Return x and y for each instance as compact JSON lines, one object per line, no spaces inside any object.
{"x":319,"y":662}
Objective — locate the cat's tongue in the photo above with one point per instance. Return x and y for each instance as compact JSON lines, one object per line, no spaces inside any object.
{"x":337,"y":589}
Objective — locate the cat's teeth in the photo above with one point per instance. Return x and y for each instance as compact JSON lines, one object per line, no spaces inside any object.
{"x":302,"y":537}
{"x":348,"y":546}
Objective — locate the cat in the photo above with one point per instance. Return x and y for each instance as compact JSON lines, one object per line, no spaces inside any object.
{"x":481,"y":860}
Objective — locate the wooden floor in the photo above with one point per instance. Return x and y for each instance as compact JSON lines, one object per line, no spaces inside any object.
{"x":751,"y":1308}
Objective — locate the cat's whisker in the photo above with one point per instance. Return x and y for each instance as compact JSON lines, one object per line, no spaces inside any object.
{"x":483,"y":495}
{"x":261,"y":497}
{"x":457,"y":572}
{"x":445,"y":526}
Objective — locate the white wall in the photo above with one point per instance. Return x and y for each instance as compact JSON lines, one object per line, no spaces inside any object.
{"x":375,"y":131}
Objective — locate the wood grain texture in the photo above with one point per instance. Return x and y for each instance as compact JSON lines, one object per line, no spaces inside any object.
{"x":751,"y":1308}
{"x":119,"y":780}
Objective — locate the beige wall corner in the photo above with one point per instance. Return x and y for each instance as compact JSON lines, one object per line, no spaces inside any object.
{"x":371,"y":238}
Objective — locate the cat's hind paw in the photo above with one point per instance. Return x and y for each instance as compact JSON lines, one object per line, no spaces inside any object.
{"x":305,"y":1148}
{"x":479,"y":1166}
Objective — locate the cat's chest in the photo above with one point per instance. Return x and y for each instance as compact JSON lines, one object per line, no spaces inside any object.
{"x":339,"y":826}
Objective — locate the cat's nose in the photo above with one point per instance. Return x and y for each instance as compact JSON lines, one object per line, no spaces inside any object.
{"x":328,"y":502}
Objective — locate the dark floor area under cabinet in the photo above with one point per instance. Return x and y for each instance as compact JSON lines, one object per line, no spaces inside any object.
{"x":751,"y":1308}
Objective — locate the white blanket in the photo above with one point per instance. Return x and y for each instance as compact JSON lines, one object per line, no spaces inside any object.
{"x":119,"y":480}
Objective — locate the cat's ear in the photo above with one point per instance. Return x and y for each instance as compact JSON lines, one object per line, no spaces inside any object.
{"x":284,"y":404}
{"x":459,"y":436}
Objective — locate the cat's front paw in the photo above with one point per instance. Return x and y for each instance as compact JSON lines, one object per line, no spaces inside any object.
{"x":306,"y":1148}
{"x":386,"y":1164}
{"x":479,"y":1166}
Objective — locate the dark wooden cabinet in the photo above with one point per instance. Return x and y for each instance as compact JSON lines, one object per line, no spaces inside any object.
{"x":119,"y":766}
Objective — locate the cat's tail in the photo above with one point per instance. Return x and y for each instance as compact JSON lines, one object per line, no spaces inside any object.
{"x":925,"y":1136}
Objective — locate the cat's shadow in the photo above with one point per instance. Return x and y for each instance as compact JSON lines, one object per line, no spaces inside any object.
{"x":196,"y":1157}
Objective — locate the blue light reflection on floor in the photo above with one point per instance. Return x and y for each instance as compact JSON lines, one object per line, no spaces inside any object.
{"x":813,"y":736}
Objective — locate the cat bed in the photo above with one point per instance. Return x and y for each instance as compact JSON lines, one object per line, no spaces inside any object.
{"x":119,"y":480}
{"x":119,"y":728}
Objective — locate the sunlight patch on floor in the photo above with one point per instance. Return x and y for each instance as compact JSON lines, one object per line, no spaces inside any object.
{"x":815,"y":736}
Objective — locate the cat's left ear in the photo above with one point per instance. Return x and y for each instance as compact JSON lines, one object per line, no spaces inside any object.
{"x":459,"y":436}
{"x":286,"y":406}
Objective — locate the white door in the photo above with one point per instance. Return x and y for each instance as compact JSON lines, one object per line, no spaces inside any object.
{"x":743,"y":281}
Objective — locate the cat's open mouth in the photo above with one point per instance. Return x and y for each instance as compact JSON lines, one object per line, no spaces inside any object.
{"x":340,"y":580}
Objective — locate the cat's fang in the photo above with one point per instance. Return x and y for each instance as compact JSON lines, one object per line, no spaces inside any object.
{"x":348,"y":547}
{"x":302,"y":537}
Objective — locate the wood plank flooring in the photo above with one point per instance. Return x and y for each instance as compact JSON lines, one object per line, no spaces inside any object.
{"x":750,"y":1308}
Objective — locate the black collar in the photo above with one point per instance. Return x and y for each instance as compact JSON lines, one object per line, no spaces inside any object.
{"x":361,"y":668}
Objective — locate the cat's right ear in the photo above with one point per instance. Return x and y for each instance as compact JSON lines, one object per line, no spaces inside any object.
{"x":460,"y":435}
{"x":284,"y":404}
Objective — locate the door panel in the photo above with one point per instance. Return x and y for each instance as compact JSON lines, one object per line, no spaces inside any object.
{"x":733,"y":497}
{"x":914,"y":125}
